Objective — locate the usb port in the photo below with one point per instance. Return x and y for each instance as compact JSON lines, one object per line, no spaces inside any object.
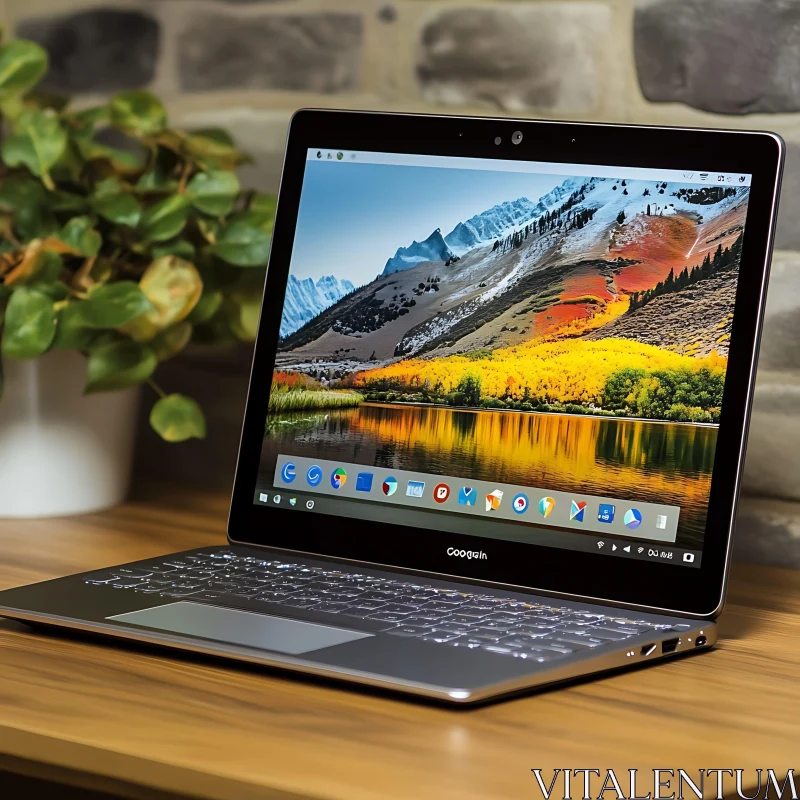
{"x":670,"y":645}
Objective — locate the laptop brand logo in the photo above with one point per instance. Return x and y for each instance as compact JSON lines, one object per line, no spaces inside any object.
{"x":470,"y":554}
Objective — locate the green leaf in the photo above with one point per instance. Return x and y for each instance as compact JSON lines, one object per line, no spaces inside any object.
{"x":119,"y":159}
{"x":155,"y":182}
{"x":177,"y":418}
{"x":207,"y":306}
{"x":264,"y":204}
{"x":55,"y":290}
{"x":72,"y":332}
{"x":37,"y":266}
{"x":89,"y":117}
{"x":67,"y":202}
{"x":214,"y":192}
{"x":79,"y":235}
{"x":173,"y":286}
{"x":243,"y":243}
{"x":1,"y":372}
{"x":27,"y":201}
{"x":243,"y":315}
{"x":122,"y":208}
{"x":22,"y":65}
{"x":166,"y":219}
{"x":219,"y":135}
{"x":174,"y":247}
{"x":212,"y":148}
{"x":30,"y":324}
{"x":118,"y":364}
{"x":37,"y":141}
{"x":114,"y":304}
{"x":138,"y":112}
{"x":170,"y":342}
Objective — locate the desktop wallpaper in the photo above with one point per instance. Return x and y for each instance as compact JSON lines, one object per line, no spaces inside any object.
{"x":555,"y":331}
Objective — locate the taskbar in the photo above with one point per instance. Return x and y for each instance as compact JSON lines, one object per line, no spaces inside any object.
{"x":488,"y":509}
{"x":538,"y":535}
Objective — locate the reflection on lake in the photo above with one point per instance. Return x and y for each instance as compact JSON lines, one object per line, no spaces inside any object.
{"x":629,"y":459}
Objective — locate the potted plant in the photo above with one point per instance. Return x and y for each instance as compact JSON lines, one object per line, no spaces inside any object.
{"x":121,"y":240}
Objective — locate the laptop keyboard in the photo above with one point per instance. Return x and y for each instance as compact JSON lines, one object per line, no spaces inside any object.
{"x":505,"y":626}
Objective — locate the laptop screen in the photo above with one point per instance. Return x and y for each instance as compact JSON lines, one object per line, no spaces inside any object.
{"x":526,"y":351}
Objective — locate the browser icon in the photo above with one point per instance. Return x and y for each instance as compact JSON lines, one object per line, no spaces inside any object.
{"x":467,"y":496}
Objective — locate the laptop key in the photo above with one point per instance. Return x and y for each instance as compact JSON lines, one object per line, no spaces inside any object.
{"x":608,"y":635}
{"x":133,"y":573}
{"x":580,"y":641}
{"x":300,"y":603}
{"x":399,"y":608}
{"x":439,"y":636}
{"x":382,"y":617}
{"x":496,"y":625}
{"x":407,"y":630}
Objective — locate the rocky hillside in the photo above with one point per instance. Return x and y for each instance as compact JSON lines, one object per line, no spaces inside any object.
{"x":694,"y":321}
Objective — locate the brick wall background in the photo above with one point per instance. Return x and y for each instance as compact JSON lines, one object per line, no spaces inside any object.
{"x":248,"y":64}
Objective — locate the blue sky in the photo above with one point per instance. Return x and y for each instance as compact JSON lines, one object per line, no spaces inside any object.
{"x":353,"y":217}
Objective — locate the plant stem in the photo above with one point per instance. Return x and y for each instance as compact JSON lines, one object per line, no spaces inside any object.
{"x":156,"y":388}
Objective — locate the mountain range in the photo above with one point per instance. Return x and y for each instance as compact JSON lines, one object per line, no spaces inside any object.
{"x":306,"y":299}
{"x":487,"y":226}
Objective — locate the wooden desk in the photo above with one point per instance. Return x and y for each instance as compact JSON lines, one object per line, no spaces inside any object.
{"x":141,"y":721}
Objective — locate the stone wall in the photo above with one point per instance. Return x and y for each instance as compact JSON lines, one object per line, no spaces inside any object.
{"x":248,"y":64}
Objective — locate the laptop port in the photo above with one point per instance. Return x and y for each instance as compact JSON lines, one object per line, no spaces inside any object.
{"x":647,"y":649}
{"x":700,"y":641}
{"x":670,"y":645}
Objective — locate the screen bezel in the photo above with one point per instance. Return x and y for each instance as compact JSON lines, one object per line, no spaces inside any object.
{"x":695,"y":591}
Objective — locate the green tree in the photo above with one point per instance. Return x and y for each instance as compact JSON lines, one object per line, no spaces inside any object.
{"x":470,"y":387}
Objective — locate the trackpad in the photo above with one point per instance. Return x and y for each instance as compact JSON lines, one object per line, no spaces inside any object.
{"x":240,"y":627}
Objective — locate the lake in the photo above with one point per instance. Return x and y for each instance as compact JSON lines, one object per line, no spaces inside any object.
{"x":629,"y":459}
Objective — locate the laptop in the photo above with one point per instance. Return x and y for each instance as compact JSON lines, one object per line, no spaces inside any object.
{"x":497,"y":413}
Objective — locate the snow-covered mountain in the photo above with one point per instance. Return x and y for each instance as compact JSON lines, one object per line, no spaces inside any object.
{"x":305,"y":299}
{"x":492,"y":223}
{"x":434,"y":248}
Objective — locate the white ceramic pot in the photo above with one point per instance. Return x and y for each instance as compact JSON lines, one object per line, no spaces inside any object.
{"x":62,"y":452}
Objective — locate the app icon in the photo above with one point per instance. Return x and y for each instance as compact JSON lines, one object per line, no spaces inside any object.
{"x":661,"y":521}
{"x":364,"y":482}
{"x":441,"y":492}
{"x":546,"y":506}
{"x":292,"y":501}
{"x":632,"y":518}
{"x":263,"y":497}
{"x":389,"y":487}
{"x":309,"y":504}
{"x":339,"y":478}
{"x":605,"y":513}
{"x":493,"y":500}
{"x":415,"y":489}
{"x":576,"y":510}
{"x":467,"y":496}
{"x":314,"y":475}
{"x":276,"y":498}
{"x":688,"y":558}
{"x":288,"y":472}
{"x":520,"y":503}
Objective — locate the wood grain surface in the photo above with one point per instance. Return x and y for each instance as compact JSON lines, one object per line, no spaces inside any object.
{"x":204,"y":728}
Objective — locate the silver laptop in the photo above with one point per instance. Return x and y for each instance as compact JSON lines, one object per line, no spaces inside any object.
{"x":497,"y":413}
